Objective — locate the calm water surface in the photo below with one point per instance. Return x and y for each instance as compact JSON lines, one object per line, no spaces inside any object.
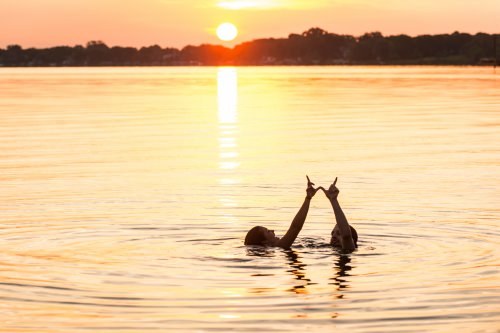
{"x":125,"y":195}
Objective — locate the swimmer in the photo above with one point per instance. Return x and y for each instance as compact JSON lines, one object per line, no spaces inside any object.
{"x":263,"y":236}
{"x":343,"y":235}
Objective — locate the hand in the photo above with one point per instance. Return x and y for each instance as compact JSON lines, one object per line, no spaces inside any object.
{"x":333,"y":191}
{"x":310,"y":191}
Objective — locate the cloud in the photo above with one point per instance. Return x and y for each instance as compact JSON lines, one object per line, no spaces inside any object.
{"x":247,"y":4}
{"x":272,"y":4}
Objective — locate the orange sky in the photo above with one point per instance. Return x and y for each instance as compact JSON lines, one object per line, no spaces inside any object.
{"x":176,"y":23}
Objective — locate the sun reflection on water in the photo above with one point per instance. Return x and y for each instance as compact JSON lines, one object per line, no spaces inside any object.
{"x":119,"y":212}
{"x":227,"y":94}
{"x":227,"y":97}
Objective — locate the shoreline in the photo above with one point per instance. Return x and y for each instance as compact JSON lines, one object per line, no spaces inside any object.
{"x":261,"y":65}
{"x":314,"y":47}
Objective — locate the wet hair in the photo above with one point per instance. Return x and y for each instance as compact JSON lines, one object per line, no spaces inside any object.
{"x":255,"y":236}
{"x":354,"y":235}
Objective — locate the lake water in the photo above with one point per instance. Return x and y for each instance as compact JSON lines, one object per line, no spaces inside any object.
{"x":126,"y":193}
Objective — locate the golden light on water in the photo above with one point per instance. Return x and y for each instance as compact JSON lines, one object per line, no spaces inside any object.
{"x":227,"y":97}
{"x":131,"y":191}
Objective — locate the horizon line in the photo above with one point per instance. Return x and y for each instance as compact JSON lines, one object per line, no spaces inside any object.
{"x":247,"y":41}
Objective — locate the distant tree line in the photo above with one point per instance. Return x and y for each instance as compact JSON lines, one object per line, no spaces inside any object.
{"x":313,"y":47}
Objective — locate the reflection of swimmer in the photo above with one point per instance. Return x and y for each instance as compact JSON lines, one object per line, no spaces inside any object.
{"x":342,"y":268}
{"x":263,"y":236}
{"x":343,"y":235}
{"x":298,"y":269}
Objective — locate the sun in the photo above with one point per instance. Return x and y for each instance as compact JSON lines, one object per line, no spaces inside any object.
{"x":227,"y":32}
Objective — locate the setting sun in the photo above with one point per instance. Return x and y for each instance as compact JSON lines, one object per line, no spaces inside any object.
{"x":227,"y":31}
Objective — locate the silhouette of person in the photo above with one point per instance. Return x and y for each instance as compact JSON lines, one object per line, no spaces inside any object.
{"x":343,"y":235}
{"x":262,"y":236}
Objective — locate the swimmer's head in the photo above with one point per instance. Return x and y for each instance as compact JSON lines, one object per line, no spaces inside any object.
{"x":261,"y":236}
{"x":335,"y":241}
{"x":354,"y":235}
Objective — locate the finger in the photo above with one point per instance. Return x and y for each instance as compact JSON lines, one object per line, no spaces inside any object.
{"x":309,"y":183}
{"x":335,"y":182}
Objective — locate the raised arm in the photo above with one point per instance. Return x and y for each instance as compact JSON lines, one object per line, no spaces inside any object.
{"x":346,"y":239}
{"x":299,"y":219}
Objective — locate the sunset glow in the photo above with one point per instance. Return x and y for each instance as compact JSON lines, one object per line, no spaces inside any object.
{"x":227,"y":31}
{"x":174,"y":23}
{"x":271,"y":4}
{"x":243,"y":4}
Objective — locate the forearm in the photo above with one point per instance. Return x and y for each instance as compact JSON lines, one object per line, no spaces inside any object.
{"x":296,"y":225}
{"x":340,"y":217}
{"x":300,"y":218}
{"x":346,"y":239}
